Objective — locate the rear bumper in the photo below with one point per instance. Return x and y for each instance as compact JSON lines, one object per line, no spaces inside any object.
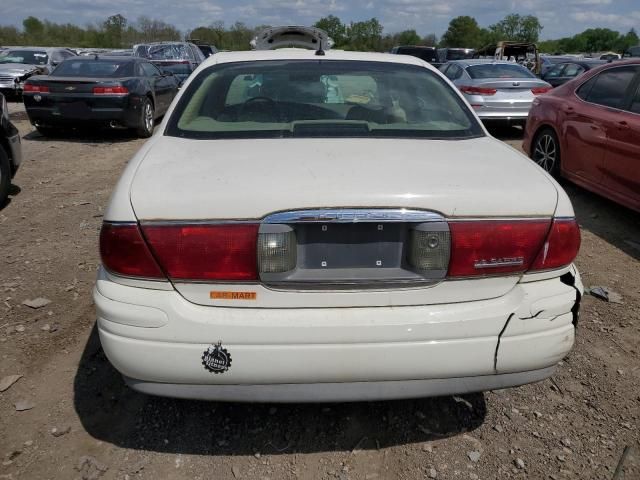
{"x":157,"y":339}
{"x":340,"y":392}
{"x":126,"y":117}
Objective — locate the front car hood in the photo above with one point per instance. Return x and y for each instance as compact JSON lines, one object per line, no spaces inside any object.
{"x":248,"y":179}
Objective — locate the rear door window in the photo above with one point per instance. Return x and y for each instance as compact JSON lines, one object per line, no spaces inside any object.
{"x":610,"y":87}
{"x":556,"y":71}
{"x":499,"y":70}
{"x":573,"y":70}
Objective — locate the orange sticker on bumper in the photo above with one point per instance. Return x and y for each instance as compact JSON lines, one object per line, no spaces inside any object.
{"x":233,"y":295}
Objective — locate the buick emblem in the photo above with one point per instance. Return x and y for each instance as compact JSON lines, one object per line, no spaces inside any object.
{"x":216,"y":359}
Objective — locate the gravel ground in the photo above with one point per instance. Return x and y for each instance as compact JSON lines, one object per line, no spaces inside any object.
{"x":78,"y":420}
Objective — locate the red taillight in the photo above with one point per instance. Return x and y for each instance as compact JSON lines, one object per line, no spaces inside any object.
{"x":478,"y":90}
{"x":490,"y":247}
{"x":124,"y":251}
{"x":31,"y":88}
{"x":205,"y":252}
{"x":540,"y":90}
{"x":561,"y":247}
{"x":118,"y":90}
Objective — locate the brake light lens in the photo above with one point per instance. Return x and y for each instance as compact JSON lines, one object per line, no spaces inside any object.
{"x":478,"y":90}
{"x":205,"y":252}
{"x":31,"y":88}
{"x":491,"y":247}
{"x":124,"y":252}
{"x":116,"y":90}
{"x":540,"y":90}
{"x":561,"y":247}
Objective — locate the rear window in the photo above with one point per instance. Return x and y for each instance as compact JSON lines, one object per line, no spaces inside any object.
{"x":498,"y":70}
{"x":84,"y":68}
{"x":170,"y":51}
{"x":28,"y":57}
{"x":266,"y":99}
{"x":426,"y":54}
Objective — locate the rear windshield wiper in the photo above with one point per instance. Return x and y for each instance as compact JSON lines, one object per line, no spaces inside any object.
{"x":332,"y":128}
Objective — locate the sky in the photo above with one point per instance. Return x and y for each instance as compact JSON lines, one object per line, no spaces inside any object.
{"x":560,"y":18}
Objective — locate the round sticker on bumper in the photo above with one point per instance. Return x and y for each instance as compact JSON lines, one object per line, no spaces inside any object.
{"x":216,"y":359}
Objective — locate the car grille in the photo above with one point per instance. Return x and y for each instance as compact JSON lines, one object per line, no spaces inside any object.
{"x":6,"y":79}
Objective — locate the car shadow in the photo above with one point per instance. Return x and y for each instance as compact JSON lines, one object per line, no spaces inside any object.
{"x":111,"y":412}
{"x":505,"y":131}
{"x":94,"y":135}
{"x":610,"y":221}
{"x":14,"y":190}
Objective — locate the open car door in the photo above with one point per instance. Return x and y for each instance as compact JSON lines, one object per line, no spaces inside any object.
{"x":292,"y":37}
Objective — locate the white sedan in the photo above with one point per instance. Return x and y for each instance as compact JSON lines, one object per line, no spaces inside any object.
{"x":332,"y":226}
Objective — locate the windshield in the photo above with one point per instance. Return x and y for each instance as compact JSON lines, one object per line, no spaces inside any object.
{"x":498,"y":70}
{"x":29,"y":57}
{"x":266,"y":99}
{"x":88,"y":68}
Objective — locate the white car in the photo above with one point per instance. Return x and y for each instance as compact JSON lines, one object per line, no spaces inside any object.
{"x":277,"y":242}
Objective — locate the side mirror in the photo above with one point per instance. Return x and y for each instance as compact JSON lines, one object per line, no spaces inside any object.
{"x":55,"y":63}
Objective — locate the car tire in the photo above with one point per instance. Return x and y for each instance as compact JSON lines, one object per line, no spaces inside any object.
{"x":147,"y":119}
{"x":5,"y":176}
{"x":545,"y":151}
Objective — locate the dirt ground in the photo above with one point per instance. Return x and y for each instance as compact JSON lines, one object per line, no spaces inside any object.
{"x":84,"y":423}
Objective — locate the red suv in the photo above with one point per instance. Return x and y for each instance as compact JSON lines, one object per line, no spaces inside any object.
{"x":588,"y":130}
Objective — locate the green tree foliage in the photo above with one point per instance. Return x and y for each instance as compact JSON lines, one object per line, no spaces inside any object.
{"x":517,"y":28}
{"x":463,"y":32}
{"x":334,"y":28}
{"x":365,"y":36}
{"x":118,"y":32}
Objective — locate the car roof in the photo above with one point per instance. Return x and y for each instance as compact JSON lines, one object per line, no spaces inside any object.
{"x":468,"y":62}
{"x":111,"y":58}
{"x":37,"y":49}
{"x":305,"y":54}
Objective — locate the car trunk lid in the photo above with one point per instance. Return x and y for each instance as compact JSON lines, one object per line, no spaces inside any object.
{"x":222,"y":181}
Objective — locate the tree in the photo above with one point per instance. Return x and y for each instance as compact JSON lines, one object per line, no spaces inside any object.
{"x":114,"y":28}
{"x":463,"y":32}
{"x":365,"y":36}
{"x":516,"y":28}
{"x":430,"y":40}
{"x":33,"y":29}
{"x":334,"y":28}
{"x":409,"y":37}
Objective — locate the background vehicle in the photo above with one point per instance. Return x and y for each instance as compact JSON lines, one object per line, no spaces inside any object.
{"x":563,"y":72}
{"x":179,"y":58}
{"x":587,"y":130}
{"x":610,"y":56}
{"x":525,"y":54}
{"x":207,"y":50}
{"x":448,"y":54}
{"x":329,"y":282}
{"x":502,"y":91}
{"x":10,"y":150}
{"x":18,"y":64}
{"x":548,"y":61}
{"x":632,"y":52}
{"x":104,"y":91}
{"x":428,"y":54}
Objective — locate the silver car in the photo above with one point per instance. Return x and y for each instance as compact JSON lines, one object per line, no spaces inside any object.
{"x":19,"y":63}
{"x":497,"y":90}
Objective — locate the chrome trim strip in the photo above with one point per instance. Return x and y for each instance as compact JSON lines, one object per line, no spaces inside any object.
{"x":354,"y":215}
{"x":503,"y":262}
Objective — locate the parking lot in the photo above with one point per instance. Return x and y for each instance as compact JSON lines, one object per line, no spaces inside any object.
{"x":78,"y":420}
